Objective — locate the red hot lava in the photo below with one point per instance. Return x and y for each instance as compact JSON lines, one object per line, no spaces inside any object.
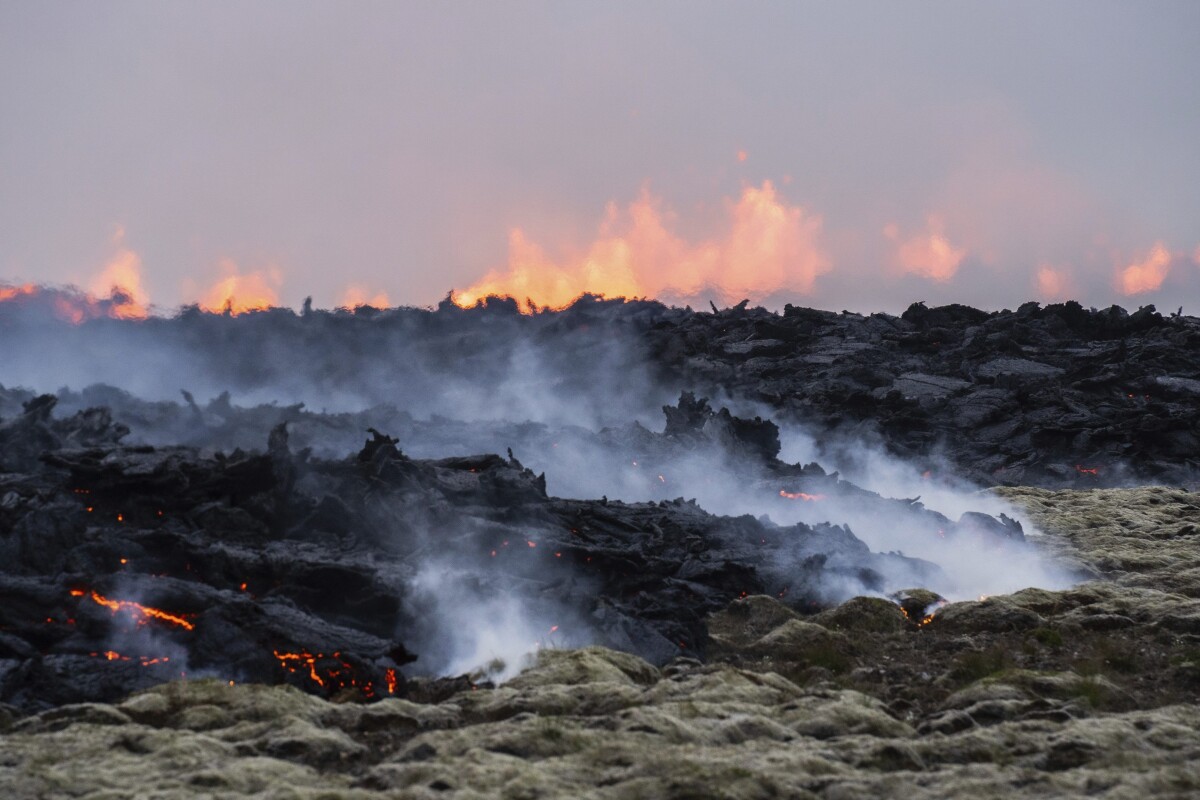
{"x":140,"y":613}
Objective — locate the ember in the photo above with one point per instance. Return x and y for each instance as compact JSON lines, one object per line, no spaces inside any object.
{"x":145,"y":661}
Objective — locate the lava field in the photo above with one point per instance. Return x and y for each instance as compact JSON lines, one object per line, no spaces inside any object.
{"x":414,"y":503}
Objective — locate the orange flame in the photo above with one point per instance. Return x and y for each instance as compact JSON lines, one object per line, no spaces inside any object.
{"x":923,"y":621}
{"x":930,"y":255}
{"x":1148,"y":274}
{"x":238,"y":293}
{"x":142,"y":613}
{"x":808,"y":498}
{"x":390,"y":677}
{"x":770,"y":246}
{"x":121,"y":280}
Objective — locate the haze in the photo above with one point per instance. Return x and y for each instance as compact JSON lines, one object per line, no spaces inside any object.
{"x":848,"y":155}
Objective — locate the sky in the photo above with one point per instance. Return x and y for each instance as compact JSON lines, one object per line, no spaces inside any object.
{"x":856,"y":155}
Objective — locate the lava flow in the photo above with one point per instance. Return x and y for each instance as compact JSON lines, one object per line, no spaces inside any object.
{"x":330,"y":671}
{"x":141,"y":614}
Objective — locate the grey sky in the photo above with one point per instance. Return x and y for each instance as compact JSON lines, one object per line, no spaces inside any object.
{"x":394,"y":145}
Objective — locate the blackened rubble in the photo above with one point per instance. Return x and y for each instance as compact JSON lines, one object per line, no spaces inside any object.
{"x":1043,"y":396}
{"x":1053,"y":396}
{"x":125,"y":565}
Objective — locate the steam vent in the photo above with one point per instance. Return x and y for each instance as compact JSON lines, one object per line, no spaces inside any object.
{"x":619,"y":549}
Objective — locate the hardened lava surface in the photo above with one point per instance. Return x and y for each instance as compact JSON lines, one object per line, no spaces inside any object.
{"x":1090,"y":691}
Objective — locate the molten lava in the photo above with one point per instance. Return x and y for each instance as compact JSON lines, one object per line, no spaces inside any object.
{"x":140,"y":613}
{"x":330,"y":671}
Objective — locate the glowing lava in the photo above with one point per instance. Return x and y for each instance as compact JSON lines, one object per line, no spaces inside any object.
{"x":330,"y":671}
{"x":141,"y":614}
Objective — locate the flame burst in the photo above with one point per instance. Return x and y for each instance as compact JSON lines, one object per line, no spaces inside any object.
{"x":238,"y":293}
{"x":921,"y":622}
{"x":929,"y":255}
{"x":1148,"y":274}
{"x":121,"y":280}
{"x":770,"y":246}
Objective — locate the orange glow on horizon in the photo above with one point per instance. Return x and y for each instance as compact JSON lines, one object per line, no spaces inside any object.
{"x":1148,"y":274}
{"x":357,"y":295}
{"x":1052,"y":283}
{"x":769,"y":246}
{"x":12,"y":292}
{"x":929,"y":255}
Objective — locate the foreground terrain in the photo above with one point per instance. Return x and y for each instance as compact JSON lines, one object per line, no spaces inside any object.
{"x":1091,"y":691}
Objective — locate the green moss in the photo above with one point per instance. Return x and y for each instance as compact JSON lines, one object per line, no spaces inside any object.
{"x":827,"y":656}
{"x":1048,"y":637}
{"x":1096,"y":694}
{"x":979,"y":664}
